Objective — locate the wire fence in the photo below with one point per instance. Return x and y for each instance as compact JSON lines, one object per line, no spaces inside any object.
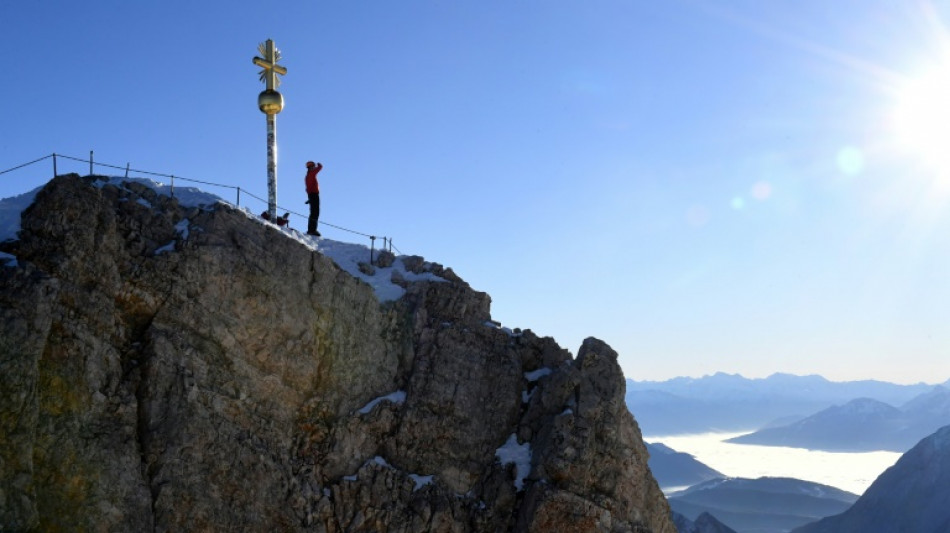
{"x":387,"y":241}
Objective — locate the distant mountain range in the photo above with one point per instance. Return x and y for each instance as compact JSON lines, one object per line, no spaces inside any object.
{"x":704,"y":523}
{"x":730,"y":402}
{"x":677,"y":469}
{"x":863,"y":424}
{"x":764,"y":505}
{"x":911,"y":496}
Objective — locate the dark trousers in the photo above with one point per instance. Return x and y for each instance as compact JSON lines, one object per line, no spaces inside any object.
{"x":314,"y":198}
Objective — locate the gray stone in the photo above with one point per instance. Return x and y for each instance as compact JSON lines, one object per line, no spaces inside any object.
{"x":245,"y":382}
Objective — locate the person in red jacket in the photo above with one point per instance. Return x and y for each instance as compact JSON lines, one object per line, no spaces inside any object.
{"x":313,"y":196}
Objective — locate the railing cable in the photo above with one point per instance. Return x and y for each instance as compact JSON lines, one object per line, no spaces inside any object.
{"x":127,"y":168}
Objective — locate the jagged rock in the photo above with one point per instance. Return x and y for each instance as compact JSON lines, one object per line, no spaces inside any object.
{"x":172,"y":368}
{"x":367,"y":269}
{"x":589,"y":452}
{"x":385,"y":259}
{"x":415,"y":264}
{"x":418,"y":265}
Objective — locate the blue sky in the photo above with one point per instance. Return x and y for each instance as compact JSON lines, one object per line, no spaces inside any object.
{"x":706,"y":186}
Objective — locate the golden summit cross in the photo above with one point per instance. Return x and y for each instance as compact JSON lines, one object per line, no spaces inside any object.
{"x":270,"y":102}
{"x":271,"y":55}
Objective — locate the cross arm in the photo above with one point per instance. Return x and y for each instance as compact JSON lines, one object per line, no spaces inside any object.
{"x":263,"y":63}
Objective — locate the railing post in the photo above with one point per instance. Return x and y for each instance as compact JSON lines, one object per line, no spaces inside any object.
{"x":387,"y":241}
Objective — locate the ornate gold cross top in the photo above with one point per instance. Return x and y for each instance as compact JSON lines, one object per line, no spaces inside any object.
{"x":269,"y":64}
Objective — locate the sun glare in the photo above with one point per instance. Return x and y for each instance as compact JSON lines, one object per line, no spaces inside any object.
{"x":923,"y":118}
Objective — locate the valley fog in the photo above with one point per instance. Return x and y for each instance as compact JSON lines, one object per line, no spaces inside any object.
{"x":853,"y":472}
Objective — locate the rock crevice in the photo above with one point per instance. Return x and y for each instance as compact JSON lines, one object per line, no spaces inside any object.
{"x":179,"y":368}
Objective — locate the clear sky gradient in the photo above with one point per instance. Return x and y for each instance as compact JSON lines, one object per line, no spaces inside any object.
{"x":739,"y":186}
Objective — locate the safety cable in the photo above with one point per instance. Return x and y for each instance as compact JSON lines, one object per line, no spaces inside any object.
{"x":239,"y":190}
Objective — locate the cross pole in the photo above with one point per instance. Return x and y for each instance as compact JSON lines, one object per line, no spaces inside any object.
{"x":270,"y":103}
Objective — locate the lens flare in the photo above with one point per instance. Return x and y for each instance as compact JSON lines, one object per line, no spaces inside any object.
{"x":850,"y":161}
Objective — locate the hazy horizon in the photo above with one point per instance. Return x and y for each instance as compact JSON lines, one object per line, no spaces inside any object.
{"x":766,"y":376}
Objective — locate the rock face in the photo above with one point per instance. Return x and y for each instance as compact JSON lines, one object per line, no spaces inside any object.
{"x":168,"y":368}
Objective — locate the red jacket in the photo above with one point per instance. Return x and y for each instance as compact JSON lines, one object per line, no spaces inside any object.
{"x":313,"y":186}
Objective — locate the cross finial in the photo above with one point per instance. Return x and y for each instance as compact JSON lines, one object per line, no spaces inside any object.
{"x":271,"y":55}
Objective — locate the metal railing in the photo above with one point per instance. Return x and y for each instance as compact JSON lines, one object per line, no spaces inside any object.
{"x":387,"y":241}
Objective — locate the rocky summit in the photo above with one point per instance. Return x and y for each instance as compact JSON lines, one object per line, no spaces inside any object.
{"x":178,"y":368}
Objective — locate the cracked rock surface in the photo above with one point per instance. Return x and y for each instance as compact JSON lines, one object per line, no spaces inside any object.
{"x":165,"y":368}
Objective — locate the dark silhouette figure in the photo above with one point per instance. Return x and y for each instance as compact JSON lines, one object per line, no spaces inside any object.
{"x":313,"y":196}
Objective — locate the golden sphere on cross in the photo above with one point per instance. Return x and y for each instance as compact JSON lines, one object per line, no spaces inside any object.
{"x":270,"y":102}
